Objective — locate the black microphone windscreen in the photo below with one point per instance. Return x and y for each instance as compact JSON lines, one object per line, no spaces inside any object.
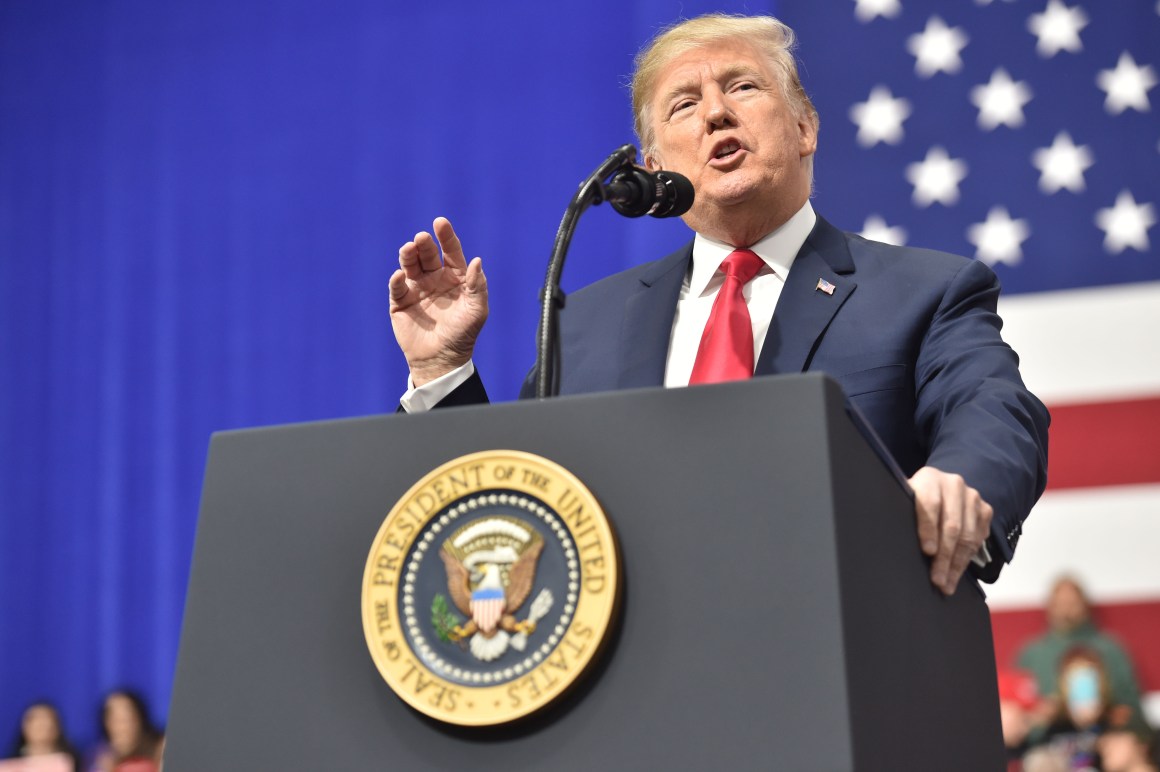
{"x":676,"y":197}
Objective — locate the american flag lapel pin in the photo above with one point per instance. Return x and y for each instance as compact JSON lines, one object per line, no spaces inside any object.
{"x":825,"y":287}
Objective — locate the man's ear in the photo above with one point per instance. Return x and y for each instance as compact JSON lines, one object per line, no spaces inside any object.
{"x":651,"y":163}
{"x":807,"y":137}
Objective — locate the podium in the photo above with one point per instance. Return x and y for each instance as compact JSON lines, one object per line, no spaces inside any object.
{"x":776,"y":613}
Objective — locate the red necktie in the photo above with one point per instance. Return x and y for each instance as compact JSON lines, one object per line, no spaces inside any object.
{"x":726,"y":350}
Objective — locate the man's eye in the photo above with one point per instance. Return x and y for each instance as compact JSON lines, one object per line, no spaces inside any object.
{"x":745,"y":86}
{"x":682,"y":105}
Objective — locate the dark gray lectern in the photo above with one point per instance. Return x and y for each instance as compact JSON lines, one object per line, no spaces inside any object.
{"x":777,"y":612}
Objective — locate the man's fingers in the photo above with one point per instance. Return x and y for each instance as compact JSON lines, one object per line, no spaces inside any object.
{"x":977,"y":516}
{"x":475,"y":282}
{"x":950,"y":528}
{"x":938,"y":504}
{"x":428,"y":252}
{"x":449,"y":242}
{"x":398,"y":288}
{"x":967,"y":542}
{"x":958,"y":565}
{"x":953,"y":522}
{"x":927,"y":503}
{"x":409,"y":260}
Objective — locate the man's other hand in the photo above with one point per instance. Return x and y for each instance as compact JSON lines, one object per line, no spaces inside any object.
{"x":438,"y":306}
{"x":953,"y":523}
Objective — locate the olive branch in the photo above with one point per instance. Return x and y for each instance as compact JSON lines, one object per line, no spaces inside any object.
{"x":441,"y":618}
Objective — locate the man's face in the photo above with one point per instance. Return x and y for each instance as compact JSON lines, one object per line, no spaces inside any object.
{"x":719,"y":118}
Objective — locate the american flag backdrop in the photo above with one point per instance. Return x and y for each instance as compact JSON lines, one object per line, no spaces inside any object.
{"x":1025,"y":133}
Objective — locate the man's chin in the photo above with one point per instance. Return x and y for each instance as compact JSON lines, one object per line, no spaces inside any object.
{"x":730,"y":194}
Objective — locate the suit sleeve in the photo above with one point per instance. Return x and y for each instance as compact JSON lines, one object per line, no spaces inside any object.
{"x":978,"y":417}
{"x":470,"y":392}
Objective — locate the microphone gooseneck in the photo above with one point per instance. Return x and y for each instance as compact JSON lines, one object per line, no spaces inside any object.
{"x":633,"y":192}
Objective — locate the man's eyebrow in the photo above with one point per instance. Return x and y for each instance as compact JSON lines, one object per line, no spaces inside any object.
{"x":683,"y":87}
{"x":731,"y":72}
{"x":739,"y":70}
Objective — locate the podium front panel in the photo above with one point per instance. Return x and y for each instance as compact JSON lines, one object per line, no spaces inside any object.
{"x":745,"y":596}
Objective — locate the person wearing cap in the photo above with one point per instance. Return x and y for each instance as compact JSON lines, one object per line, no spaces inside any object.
{"x":1019,"y":711}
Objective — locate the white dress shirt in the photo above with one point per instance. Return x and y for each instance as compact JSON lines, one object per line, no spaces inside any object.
{"x":699,"y":291}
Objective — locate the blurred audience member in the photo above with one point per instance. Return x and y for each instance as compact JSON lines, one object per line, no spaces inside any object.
{"x":1046,"y":760}
{"x":132,"y":743}
{"x":42,"y":735}
{"x":1019,"y":711}
{"x":1127,"y":749}
{"x":1082,"y":711}
{"x":1070,"y":625}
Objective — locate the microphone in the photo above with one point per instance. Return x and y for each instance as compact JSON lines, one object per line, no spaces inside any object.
{"x":635,"y":191}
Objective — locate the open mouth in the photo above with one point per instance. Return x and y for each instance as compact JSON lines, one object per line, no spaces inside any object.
{"x":727,"y":150}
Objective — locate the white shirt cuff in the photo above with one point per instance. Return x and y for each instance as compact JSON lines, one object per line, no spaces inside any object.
{"x":982,"y":557}
{"x":419,"y":399}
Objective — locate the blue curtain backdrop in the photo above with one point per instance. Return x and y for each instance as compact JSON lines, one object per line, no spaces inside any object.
{"x":201,"y":203}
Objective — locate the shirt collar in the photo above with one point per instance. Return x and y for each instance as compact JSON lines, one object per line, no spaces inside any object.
{"x":777,"y":249}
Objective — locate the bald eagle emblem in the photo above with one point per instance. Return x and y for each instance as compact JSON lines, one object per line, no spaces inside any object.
{"x":491,"y":570}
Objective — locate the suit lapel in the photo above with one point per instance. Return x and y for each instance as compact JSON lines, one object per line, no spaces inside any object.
{"x":648,"y":321}
{"x":804,"y":311}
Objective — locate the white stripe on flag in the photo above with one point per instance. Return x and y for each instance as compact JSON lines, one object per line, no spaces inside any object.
{"x":1106,"y":537}
{"x":1151,"y":705}
{"x":1088,"y":345}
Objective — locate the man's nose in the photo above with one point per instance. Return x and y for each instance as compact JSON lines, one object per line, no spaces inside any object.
{"x":718,"y":114}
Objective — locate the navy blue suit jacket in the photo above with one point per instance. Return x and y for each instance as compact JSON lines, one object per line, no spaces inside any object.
{"x":911,"y":335}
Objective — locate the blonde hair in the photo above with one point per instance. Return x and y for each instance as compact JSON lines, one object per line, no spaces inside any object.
{"x":767,"y":34}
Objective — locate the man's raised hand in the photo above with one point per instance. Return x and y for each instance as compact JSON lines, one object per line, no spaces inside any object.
{"x":438,"y":306}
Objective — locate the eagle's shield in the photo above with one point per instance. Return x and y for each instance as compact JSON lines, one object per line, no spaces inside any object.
{"x":487,"y":607}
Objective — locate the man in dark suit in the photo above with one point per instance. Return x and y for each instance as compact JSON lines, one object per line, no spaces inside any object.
{"x":911,"y":335}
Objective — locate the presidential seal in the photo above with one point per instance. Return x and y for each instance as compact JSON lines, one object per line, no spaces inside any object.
{"x":490,"y":588}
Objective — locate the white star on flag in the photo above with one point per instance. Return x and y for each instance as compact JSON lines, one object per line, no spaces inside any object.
{"x":1127,"y":85}
{"x":876,"y":229}
{"x":1057,"y":29}
{"x":868,"y":10}
{"x":936,"y":178}
{"x":936,"y":48}
{"x":999,"y":239}
{"x":1000,"y":101}
{"x":1126,"y":224}
{"x":1062,"y":165}
{"x":880,"y":117}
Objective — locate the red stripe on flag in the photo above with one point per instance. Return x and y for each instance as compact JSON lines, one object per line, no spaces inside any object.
{"x":1104,"y":443}
{"x":1135,"y":625}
